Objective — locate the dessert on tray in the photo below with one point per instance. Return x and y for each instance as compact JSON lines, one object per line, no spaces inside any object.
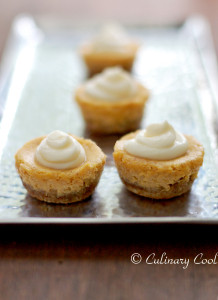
{"x":112,"y":102}
{"x":110,"y":47}
{"x":59,"y":167}
{"x":158,"y":162}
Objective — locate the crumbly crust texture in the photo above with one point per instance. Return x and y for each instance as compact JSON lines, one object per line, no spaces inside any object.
{"x":158,"y":179}
{"x":106,"y":117}
{"x":60,"y":186}
{"x":96,"y":62}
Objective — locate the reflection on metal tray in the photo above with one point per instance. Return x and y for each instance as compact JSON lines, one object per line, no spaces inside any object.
{"x":40,"y":73}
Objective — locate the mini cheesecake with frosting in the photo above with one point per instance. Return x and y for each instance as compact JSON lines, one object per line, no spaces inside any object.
{"x":158,"y":162}
{"x":60,"y":167}
{"x":112,"y":102}
{"x":110,"y":47}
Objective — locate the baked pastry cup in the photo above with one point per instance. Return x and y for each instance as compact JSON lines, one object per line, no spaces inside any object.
{"x":60,"y":185}
{"x":96,"y":62}
{"x":158,"y":179}
{"x":103,"y":116}
{"x":110,"y":47}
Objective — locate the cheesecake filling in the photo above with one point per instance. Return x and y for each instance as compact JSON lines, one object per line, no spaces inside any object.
{"x":113,"y":84}
{"x":159,"y":141}
{"x":111,"y":38}
{"x":60,"y":150}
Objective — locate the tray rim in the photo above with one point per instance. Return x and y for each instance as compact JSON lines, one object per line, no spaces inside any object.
{"x":207,"y":57}
{"x":95,"y":221}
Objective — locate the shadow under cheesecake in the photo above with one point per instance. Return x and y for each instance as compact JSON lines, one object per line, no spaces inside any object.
{"x":36,"y":208}
{"x":137,"y":206}
{"x":129,"y":205}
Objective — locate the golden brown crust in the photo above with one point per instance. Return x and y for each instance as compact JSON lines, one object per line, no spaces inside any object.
{"x":158,"y":179}
{"x":96,"y":62}
{"x":60,"y":186}
{"x":117,"y":117}
{"x":174,"y":190}
{"x":66,"y":198}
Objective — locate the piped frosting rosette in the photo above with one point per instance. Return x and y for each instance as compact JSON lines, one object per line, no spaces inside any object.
{"x":158,"y":142}
{"x":112,"y":38}
{"x":111,"y":85}
{"x":60,"y":150}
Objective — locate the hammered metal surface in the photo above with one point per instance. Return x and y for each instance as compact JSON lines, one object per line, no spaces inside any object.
{"x":40,"y":99}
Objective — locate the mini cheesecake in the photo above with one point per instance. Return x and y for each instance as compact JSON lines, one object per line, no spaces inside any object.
{"x":158,"y":179}
{"x":111,"y":107}
{"x":60,"y":185}
{"x":110,"y":47}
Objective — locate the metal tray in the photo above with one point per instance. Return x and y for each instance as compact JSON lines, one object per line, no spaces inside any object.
{"x":40,"y":71}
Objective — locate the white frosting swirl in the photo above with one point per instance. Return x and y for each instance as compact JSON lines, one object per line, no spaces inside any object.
{"x":111,"y":85}
{"x":159,"y":142}
{"x":112,"y":38}
{"x":59,"y":150}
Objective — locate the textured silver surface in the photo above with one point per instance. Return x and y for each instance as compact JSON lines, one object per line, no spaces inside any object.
{"x":39,"y":99}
